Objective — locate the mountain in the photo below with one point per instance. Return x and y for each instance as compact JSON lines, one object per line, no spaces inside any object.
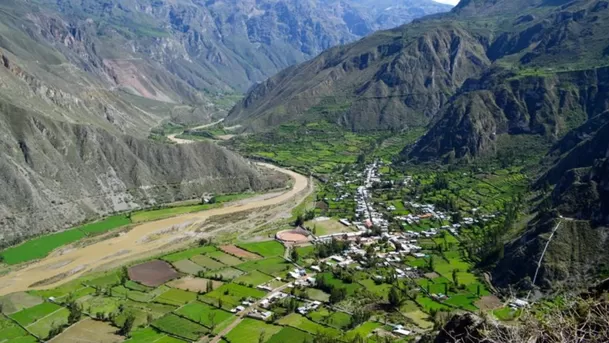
{"x":449,"y":71}
{"x":577,"y":211}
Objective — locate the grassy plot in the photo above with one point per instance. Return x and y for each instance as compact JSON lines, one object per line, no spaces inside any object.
{"x":331,"y":280}
{"x":105,"y":225}
{"x":9,"y":330}
{"x":303,"y":323}
{"x":176,"y":297}
{"x":188,"y":267}
{"x":180,"y":327}
{"x":206,"y":262}
{"x":44,"y":325}
{"x":90,"y":331}
{"x":231,"y":295}
{"x":40,"y":247}
{"x":254,"y":278}
{"x":225,"y":274}
{"x":16,"y":302}
{"x":363,"y":330}
{"x":206,"y":315}
{"x":225,"y":258}
{"x":272,"y":266}
{"x":292,"y":335}
{"x":32,"y":314}
{"x":186,"y":254}
{"x":150,"y":335}
{"x":251,"y":331}
{"x":264,"y":249}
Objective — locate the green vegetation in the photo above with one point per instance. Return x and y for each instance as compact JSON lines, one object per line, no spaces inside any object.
{"x":40,"y":247}
{"x":176,"y":297}
{"x":32,"y":314}
{"x":251,"y":331}
{"x":264,"y":249}
{"x":180,"y":327}
{"x":151,"y":215}
{"x":105,"y":225}
{"x":230,"y":295}
{"x":290,"y":334}
{"x":204,"y":314}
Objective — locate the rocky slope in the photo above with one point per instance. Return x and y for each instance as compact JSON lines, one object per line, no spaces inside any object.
{"x":451,"y":70}
{"x":56,"y":174}
{"x":577,"y":253}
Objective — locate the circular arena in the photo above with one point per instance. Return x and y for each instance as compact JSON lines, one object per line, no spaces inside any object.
{"x":293,"y":236}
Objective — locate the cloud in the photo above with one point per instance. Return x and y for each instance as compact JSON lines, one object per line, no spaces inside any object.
{"x":450,"y":2}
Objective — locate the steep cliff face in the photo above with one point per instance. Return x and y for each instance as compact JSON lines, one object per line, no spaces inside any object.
{"x":391,"y":79}
{"x":56,"y":174}
{"x":549,"y":76}
{"x":503,"y":103}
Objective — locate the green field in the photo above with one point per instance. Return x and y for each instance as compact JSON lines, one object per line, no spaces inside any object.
{"x":225,"y":274}
{"x":32,"y":314}
{"x":254,"y":278}
{"x":275,"y":266}
{"x":40,"y":247}
{"x":105,"y":225}
{"x":292,"y":335}
{"x":176,"y":297}
{"x":231,"y":295}
{"x":225,"y":258}
{"x":251,"y":330}
{"x":303,"y":323}
{"x":207,"y":262}
{"x":150,"y":335}
{"x":9,"y":330}
{"x":363,"y":330}
{"x":180,"y":327}
{"x":264,"y":249}
{"x":42,"y":327}
{"x":204,"y":314}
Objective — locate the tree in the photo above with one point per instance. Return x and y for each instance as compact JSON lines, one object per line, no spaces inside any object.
{"x":299,"y":220}
{"x":456,"y":277}
{"x":395,"y":298}
{"x":210,"y":286}
{"x":338,"y":294}
{"x":294,"y":254}
{"x":478,"y":290}
{"x":211,"y":317}
{"x":261,"y":337}
{"x":75,"y":312}
{"x":127,"y":325}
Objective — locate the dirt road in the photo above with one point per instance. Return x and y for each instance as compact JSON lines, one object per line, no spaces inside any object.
{"x":173,"y":137}
{"x":142,"y":240}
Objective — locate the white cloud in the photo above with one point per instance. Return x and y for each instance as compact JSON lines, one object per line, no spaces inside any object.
{"x":450,"y":2}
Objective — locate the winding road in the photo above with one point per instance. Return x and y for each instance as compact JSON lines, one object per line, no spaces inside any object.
{"x":143,"y":240}
{"x":173,"y":137}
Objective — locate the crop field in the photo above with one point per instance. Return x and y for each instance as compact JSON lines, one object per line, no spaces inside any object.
{"x":204,"y":314}
{"x":231,"y":295}
{"x":10,"y":331}
{"x":150,"y":335}
{"x":251,"y":330}
{"x":105,"y":225}
{"x":364,"y":330}
{"x":104,"y":281}
{"x":234,"y":250}
{"x":137,"y":287}
{"x":207,"y":262}
{"x":153,"y":273}
{"x":44,"y":325}
{"x":292,"y":335}
{"x":91,"y":331}
{"x":254,"y":278}
{"x":30,"y":315}
{"x":226,"y":274}
{"x":40,"y":247}
{"x":180,"y":327}
{"x":194,"y":284}
{"x":188,"y":267}
{"x":99,"y":304}
{"x":225,"y":258}
{"x":176,"y":297}
{"x":16,"y":302}
{"x":303,"y":323}
{"x":317,"y":294}
{"x":264,"y":249}
{"x":186,"y":254}
{"x":275,"y":266}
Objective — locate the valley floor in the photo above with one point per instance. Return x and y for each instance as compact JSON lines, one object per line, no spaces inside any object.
{"x":147,"y":239}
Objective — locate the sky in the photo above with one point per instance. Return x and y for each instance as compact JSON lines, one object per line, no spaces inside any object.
{"x":450,"y":2}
